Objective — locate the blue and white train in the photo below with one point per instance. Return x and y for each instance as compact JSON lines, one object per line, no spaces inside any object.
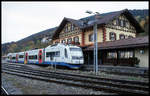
{"x":60,"y":54}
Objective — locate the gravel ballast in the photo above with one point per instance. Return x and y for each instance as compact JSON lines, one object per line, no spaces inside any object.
{"x":21,"y":85}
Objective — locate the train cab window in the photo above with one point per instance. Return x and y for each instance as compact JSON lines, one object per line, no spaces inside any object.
{"x":51,"y":54}
{"x":47,"y":54}
{"x":75,"y":49}
{"x":57,"y":53}
{"x":66,"y":55}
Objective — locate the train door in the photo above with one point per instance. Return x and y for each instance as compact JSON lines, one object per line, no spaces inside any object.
{"x":16,"y":57}
{"x":40,"y":56}
{"x":26,"y":58}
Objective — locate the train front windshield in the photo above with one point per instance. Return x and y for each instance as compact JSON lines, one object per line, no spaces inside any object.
{"x":76,"y":53}
{"x":75,"y":49}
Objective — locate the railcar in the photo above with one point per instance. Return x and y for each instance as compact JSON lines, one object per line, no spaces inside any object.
{"x":60,"y":54}
{"x":64,"y":55}
{"x":9,"y":57}
{"x":20,"y":57}
{"x":14,"y":58}
{"x":34,"y":56}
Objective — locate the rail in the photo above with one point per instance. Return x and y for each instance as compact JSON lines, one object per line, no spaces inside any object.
{"x":3,"y":91}
{"x":104,"y":84}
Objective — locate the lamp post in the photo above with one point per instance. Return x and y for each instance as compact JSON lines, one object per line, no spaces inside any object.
{"x":95,"y":51}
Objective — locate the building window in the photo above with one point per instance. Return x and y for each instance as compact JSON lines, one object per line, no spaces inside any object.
{"x":122,"y":36}
{"x":112,"y":36}
{"x":56,"y":42}
{"x":117,"y":22}
{"x":66,"y":28}
{"x":111,"y":55}
{"x":121,"y":23}
{"x":72,"y":27}
{"x":76,"y":39}
{"x":125,"y":23}
{"x":126,"y":54}
{"x":69,"y":40}
{"x":63,"y":41}
{"x":91,"y":37}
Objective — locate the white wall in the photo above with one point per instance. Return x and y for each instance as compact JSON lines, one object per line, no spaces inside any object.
{"x":144,"y":58}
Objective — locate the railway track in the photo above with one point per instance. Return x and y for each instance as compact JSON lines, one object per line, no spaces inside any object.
{"x":3,"y":91}
{"x":97,"y":83}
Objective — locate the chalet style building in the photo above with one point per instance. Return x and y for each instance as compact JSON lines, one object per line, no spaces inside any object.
{"x":116,"y":37}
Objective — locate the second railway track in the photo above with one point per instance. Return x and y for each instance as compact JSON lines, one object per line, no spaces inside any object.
{"x":104,"y":84}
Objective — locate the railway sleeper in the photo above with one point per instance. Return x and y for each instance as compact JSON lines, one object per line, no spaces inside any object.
{"x":106,"y":88}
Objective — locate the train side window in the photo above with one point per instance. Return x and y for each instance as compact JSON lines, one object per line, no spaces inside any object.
{"x":66,"y":53}
{"x":20,"y":56}
{"x":57,"y":54}
{"x":48,"y":54}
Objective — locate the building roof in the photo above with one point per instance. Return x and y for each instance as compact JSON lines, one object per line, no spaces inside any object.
{"x":124,"y":43}
{"x":104,"y":19}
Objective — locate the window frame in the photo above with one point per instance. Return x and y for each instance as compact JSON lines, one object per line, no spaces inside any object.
{"x":21,"y":56}
{"x":110,"y":36}
{"x":76,"y":38}
{"x":112,"y":55}
{"x":69,"y":41}
{"x":63,"y":41}
{"x":121,"y":36}
{"x":91,"y":37}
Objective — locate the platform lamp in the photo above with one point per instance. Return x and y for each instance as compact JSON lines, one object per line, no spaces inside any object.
{"x":95,"y":61}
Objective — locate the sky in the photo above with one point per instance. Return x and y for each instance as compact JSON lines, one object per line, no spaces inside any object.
{"x":22,"y":19}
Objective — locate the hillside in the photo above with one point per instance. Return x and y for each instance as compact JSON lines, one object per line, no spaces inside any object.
{"x":34,"y":41}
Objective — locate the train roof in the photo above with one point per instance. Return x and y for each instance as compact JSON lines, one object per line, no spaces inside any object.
{"x":33,"y":50}
{"x":61,"y":44}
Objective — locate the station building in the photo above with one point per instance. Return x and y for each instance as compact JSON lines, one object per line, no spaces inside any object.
{"x":118,"y":44}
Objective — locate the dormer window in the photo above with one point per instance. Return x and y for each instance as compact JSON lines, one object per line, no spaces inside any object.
{"x":117,"y":22}
{"x":125,"y":23}
{"x":72,"y":27}
{"x":112,"y":36}
{"x":121,"y":23}
{"x":66,"y":28}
